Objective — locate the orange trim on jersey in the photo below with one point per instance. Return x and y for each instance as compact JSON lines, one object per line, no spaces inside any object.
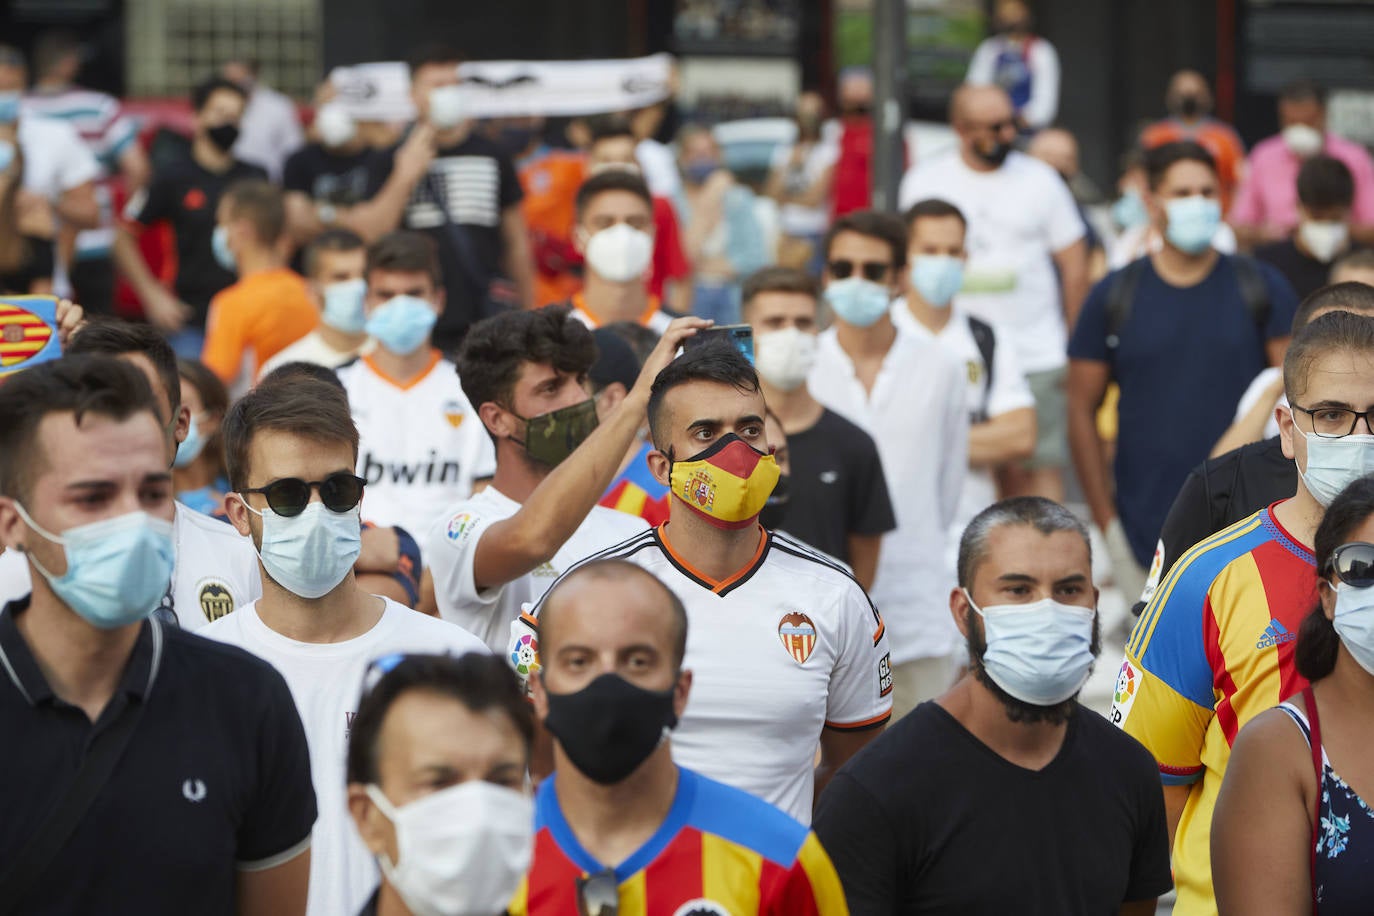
{"x":529,"y":620}
{"x":579,"y":301}
{"x":882,"y":628}
{"x":434,"y":357}
{"x":714,"y":585}
{"x":879,"y":719}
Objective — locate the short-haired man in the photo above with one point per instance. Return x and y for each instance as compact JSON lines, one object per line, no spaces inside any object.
{"x":1010,"y":762}
{"x":526,"y":375}
{"x":1356,"y":267}
{"x":290,"y":449}
{"x":1214,"y":646}
{"x":621,"y":827}
{"x":422,"y":446}
{"x":1028,"y":261}
{"x":1182,"y":332}
{"x":839,"y":502}
{"x":269,"y":307}
{"x":1000,"y":405}
{"x":185,"y":193}
{"x":788,"y":648}
{"x":113,"y":718}
{"x":1326,"y":193}
{"x":334,"y":264}
{"x":908,"y":394}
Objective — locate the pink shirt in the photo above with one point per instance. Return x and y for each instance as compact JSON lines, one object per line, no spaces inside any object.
{"x":1268,"y":196}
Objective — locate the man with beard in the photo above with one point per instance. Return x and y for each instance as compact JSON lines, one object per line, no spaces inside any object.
{"x":1013,"y":769}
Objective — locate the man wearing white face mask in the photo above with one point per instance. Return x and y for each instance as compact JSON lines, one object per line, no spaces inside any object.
{"x":1326,"y":193}
{"x":334,"y":265}
{"x":1001,"y":407}
{"x":328,"y":176}
{"x":1214,"y":647}
{"x":291,"y":449}
{"x":1011,"y":763}
{"x":1266,"y":207}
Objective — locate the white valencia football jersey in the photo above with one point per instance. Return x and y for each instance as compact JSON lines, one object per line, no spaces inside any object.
{"x":420,"y":445}
{"x":786,"y":646}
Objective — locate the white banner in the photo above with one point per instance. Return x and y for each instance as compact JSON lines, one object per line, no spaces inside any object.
{"x":511,"y":88}
{"x":375,"y":92}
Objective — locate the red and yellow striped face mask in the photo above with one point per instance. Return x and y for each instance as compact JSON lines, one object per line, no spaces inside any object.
{"x":727,"y":484}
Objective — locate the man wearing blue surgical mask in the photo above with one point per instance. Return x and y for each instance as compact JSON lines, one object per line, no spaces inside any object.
{"x":1182,"y":331}
{"x":290,"y":446}
{"x":334,"y":269}
{"x":1011,"y":763}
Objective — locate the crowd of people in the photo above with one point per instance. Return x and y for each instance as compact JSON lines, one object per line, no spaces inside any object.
{"x":464,"y":523}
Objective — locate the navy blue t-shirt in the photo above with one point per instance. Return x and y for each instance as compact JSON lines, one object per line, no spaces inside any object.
{"x":1185,"y":357}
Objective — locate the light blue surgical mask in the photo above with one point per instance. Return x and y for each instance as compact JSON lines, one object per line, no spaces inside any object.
{"x":6,"y":154}
{"x":117,"y":568}
{"x":343,"y":306}
{"x":309,"y":554}
{"x":9,"y":107}
{"x":1192,"y":222}
{"x":858,"y":301}
{"x":1129,"y":210}
{"x":189,"y":450}
{"x":1334,"y":464}
{"x":1354,"y":622}
{"x":1041,"y":653}
{"x":219,"y":246}
{"x":937,"y":277}
{"x":402,"y":324}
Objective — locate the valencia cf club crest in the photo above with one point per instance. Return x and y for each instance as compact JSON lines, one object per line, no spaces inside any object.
{"x":700,"y":491}
{"x":701,"y":907}
{"x":454,"y":413}
{"x":215,"y":600}
{"x":798,"y":635}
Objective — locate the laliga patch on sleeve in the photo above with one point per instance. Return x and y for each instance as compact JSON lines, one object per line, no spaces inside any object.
{"x":461,"y":527}
{"x":28,"y":332}
{"x":885,"y":675}
{"x":1127,"y":686}
{"x":1156,"y":568}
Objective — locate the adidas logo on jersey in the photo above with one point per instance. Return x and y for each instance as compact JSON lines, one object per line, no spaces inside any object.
{"x":1274,"y":635}
{"x":431,"y":471}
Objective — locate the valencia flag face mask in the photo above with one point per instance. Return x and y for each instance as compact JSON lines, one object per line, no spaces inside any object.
{"x":727,"y":484}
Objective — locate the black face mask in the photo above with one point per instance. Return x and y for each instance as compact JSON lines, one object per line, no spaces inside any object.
{"x":224,"y":136}
{"x":551,"y":437}
{"x":995,"y":156}
{"x":610,"y":727}
{"x":775,"y":510}
{"x":1189,"y":106}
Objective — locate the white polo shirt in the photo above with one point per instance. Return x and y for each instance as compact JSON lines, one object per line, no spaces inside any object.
{"x":421,"y":445}
{"x":990,"y":391}
{"x":918,"y":417}
{"x":1018,"y":216}
{"x":489,"y":613}
{"x":326,"y":683}
{"x":782,"y":648}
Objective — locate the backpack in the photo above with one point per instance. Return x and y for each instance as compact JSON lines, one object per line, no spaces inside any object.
{"x":1121,"y":295}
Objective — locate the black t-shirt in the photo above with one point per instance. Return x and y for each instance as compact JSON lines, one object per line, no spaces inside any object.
{"x":325,"y":177}
{"x":838,"y":487}
{"x":929,"y":820}
{"x":186,"y":194}
{"x":215,"y":777}
{"x":468,"y":188}
{"x":38,"y":264}
{"x":1304,"y":273}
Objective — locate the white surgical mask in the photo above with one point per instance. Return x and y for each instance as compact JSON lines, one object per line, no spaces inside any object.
{"x":620,"y":253}
{"x":1334,"y":464}
{"x":334,"y":124}
{"x":784,"y":357}
{"x":937,"y":277}
{"x":446,"y":107}
{"x":344,"y":305}
{"x":309,"y":554}
{"x":1354,"y":622}
{"x":462,"y":850}
{"x":1040,"y":653}
{"x":1193,"y":221}
{"x":1303,"y":141}
{"x":1325,"y":239}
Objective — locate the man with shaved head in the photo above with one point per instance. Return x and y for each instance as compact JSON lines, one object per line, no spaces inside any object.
{"x":1189,"y":103}
{"x":1027,"y":260}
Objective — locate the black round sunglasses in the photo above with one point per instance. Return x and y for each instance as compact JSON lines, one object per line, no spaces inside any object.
{"x":289,"y":496}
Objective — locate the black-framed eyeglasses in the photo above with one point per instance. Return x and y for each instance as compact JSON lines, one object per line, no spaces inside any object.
{"x":1353,"y":564}
{"x":873,"y":271}
{"x":1336,"y":422}
{"x":598,"y":894}
{"x":289,"y":496}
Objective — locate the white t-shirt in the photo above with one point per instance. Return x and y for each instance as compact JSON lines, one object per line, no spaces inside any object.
{"x":56,"y":160}
{"x":797,"y":219}
{"x":326,"y":683}
{"x":777,"y":651}
{"x":1255,"y":392}
{"x":918,"y":416}
{"x":453,"y":550}
{"x":420,"y":447}
{"x":312,"y":349}
{"x":658,"y":321}
{"x":269,"y":131}
{"x":216,"y":570}
{"x":1018,"y":216}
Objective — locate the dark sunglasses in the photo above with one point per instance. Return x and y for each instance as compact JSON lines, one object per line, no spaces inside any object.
{"x":1353,"y":564}
{"x":289,"y":496}
{"x":598,"y":894}
{"x":874,"y":271}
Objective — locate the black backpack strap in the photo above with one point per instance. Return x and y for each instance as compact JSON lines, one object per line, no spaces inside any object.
{"x":1121,"y":297}
{"x":1253,"y":290}
{"x":986,"y":340}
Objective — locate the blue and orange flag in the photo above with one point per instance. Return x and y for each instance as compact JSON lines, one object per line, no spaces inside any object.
{"x":28,"y":332}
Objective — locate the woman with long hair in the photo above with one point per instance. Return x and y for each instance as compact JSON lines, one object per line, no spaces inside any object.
{"x":198,"y":473}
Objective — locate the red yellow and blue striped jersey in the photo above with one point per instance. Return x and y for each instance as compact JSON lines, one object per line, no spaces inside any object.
{"x":1213,"y":649}
{"x":635,"y":491}
{"x":719,"y":852}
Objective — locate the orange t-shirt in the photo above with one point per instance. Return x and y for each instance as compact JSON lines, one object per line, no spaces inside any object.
{"x":550,"y":182}
{"x":1217,"y":137}
{"x":256,"y":318}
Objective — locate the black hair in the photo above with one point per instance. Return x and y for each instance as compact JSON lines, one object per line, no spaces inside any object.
{"x":81,"y":384}
{"x":1325,"y":182}
{"x":875,"y":225}
{"x":306,"y":407}
{"x":201,"y":92}
{"x":116,"y":337}
{"x":214,"y":398}
{"x":612,"y":180}
{"x":606,"y":127}
{"x":51,"y":47}
{"x":434,"y":52}
{"x":302,"y":369}
{"x":1159,"y":160}
{"x":642,"y":340}
{"x":333,"y":239}
{"x":480,"y":682}
{"x":1304,"y":90}
{"x":404,"y":251}
{"x":715,"y":361}
{"x":933,"y":207}
{"x":616,"y":569}
{"x":1315,"y":653}
{"x":262,"y":204}
{"x":1345,"y":329}
{"x":779,"y":280}
{"x":1350,"y":296}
